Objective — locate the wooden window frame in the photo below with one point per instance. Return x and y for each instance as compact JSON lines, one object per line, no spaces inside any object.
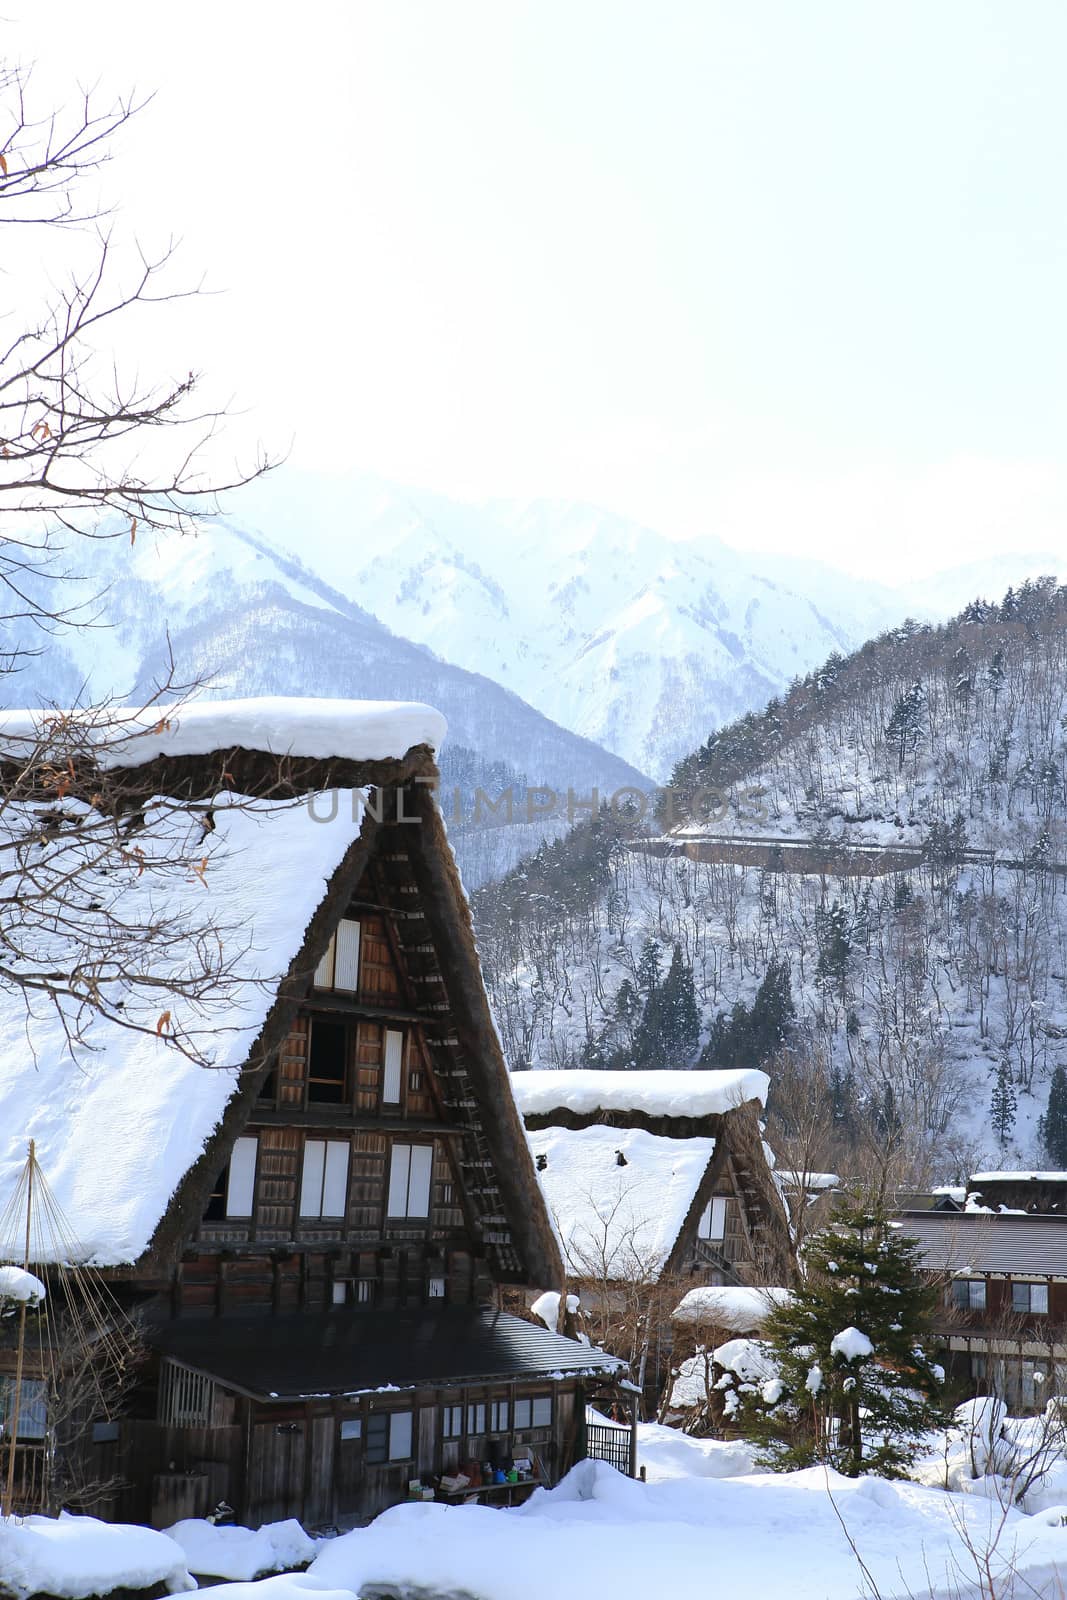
{"x":350,"y":1071}
{"x":379,"y":1421}
{"x":322,"y":1215}
{"x":407,"y":1215}
{"x":325,"y":976}
{"x":1029,"y":1310}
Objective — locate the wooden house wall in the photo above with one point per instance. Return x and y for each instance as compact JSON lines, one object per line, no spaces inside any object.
{"x":278,"y":1461}
{"x":278,"y":1261}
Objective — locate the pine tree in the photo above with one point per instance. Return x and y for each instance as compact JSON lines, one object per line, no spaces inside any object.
{"x":679,"y":1021}
{"x":669,"y":1030}
{"x":747,"y":1038}
{"x":835,"y":946}
{"x":856,"y":1385}
{"x":1053,"y":1125}
{"x":1002,"y":1104}
{"x":648,"y":965}
{"x":905,"y":725}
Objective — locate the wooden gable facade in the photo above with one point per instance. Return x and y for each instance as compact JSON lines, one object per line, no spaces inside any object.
{"x":322,"y":1299}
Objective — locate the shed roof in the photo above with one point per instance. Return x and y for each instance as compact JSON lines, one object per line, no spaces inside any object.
{"x":998,"y":1242}
{"x":350,"y":1352}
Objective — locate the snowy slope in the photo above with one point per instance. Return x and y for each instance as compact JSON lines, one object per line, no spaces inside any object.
{"x":919,"y":989}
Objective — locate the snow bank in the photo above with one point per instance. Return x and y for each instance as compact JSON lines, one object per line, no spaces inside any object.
{"x":242,"y":1553}
{"x":118,"y":1128}
{"x":617,"y":1220}
{"x":667,"y":1453}
{"x":360,"y":730}
{"x":79,"y":1556}
{"x":739,"y":1309}
{"x":657,"y":1094}
{"x":21,"y":1286}
{"x":598,"y":1533}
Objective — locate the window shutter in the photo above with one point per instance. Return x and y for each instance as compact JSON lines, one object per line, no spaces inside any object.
{"x":324,"y":970}
{"x":346,"y":943}
{"x":240,"y":1187}
{"x":311,"y":1178}
{"x":718,"y":1218}
{"x":335,"y":1184}
{"x":394,"y":1052}
{"x":419,"y":1185}
{"x":399,"y":1167}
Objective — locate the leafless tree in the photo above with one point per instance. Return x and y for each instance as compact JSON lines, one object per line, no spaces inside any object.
{"x":90,"y":451}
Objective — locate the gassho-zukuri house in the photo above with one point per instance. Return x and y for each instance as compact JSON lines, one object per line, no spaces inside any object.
{"x":317,"y":1229}
{"x":651,"y":1175}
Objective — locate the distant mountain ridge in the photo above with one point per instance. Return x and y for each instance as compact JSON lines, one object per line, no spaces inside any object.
{"x":636,"y":641}
{"x":242,"y":618}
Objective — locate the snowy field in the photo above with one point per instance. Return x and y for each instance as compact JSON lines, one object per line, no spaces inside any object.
{"x":705,"y":1524}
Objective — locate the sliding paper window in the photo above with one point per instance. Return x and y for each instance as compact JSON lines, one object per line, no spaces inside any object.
{"x":409,"y":1180}
{"x":339,"y":967}
{"x":324,"y":1179}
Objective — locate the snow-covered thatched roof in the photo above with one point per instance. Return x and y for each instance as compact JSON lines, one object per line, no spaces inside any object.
{"x":120,"y":1118}
{"x":353,"y":730}
{"x":618,"y":1220}
{"x":660,"y":1093}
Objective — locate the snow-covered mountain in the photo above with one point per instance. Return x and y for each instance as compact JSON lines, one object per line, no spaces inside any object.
{"x":636,"y":641}
{"x":241,"y":618}
{"x":930,"y":984}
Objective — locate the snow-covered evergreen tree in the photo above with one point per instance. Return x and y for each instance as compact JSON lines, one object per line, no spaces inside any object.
{"x":1002,"y":1103}
{"x":856,"y":1387}
{"x":1053,"y":1125}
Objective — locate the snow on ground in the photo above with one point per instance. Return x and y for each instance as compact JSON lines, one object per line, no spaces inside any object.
{"x":657,"y":1093}
{"x":242,"y":1553}
{"x":726,"y":1306}
{"x":79,"y":1556}
{"x":668,"y":1453}
{"x":618,"y":1219}
{"x":763,"y":1537}
{"x":265,"y":871}
{"x":361,"y":730}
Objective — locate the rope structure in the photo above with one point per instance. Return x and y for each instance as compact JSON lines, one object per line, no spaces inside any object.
{"x":80,"y":1342}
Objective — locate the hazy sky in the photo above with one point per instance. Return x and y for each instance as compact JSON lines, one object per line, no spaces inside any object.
{"x":788,"y":273}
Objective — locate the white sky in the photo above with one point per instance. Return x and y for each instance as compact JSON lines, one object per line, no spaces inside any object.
{"x":789,"y":272}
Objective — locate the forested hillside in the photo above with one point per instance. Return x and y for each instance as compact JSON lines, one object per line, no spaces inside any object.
{"x":931,"y":998}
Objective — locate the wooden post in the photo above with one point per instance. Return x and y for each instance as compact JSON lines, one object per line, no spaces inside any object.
{"x":9,"y":1497}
